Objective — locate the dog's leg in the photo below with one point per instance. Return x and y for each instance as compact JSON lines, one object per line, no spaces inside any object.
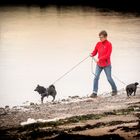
{"x":53,"y":98}
{"x":42,"y":97}
{"x":127,"y":91}
{"x":130,"y":93}
{"x":134,"y":92}
{"x":127,"y":94}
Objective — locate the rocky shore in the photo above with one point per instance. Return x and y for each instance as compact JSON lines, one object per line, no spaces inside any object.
{"x":76,"y":118}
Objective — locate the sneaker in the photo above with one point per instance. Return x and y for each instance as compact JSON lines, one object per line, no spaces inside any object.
{"x":93,"y":95}
{"x":114,"y":93}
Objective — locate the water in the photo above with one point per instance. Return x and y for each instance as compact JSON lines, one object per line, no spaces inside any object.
{"x":37,"y":46}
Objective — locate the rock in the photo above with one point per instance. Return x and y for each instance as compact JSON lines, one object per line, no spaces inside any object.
{"x":7,"y":109}
{"x":137,"y":109}
{"x":54,"y":103}
{"x":41,"y":120}
{"x":32,"y":104}
{"x":63,"y":100}
{"x":74,"y":97}
{"x":26,"y":103}
{"x":2,"y":111}
{"x":29,"y":121}
{"x":7,"y":106}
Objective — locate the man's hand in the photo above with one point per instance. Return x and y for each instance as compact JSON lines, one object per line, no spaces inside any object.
{"x":96,"y":60}
{"x":91,"y":55}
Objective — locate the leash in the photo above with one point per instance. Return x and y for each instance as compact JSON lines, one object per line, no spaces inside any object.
{"x":119,"y":79}
{"x":112,"y":74}
{"x":91,"y":71}
{"x":92,"y":66}
{"x":71,"y":69}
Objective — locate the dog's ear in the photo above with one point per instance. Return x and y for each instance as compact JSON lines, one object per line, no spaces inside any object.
{"x":52,"y":86}
{"x":136,"y":83}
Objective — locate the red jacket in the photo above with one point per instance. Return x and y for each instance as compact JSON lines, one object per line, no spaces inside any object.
{"x":104,"y":50}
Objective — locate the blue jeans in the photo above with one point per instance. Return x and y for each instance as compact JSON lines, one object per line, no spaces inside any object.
{"x":98,"y":71}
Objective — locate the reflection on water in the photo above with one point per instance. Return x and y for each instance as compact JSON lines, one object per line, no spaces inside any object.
{"x":37,"y":46}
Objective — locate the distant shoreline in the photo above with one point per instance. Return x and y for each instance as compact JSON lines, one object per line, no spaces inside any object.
{"x":117,"y":5}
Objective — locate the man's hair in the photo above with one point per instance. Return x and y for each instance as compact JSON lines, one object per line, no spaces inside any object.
{"x":103,"y":32}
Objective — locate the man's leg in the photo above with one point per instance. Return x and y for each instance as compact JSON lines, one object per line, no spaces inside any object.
{"x":110,"y":80}
{"x":96,"y":79}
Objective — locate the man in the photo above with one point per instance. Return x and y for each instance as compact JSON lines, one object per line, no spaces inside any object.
{"x":104,"y":49}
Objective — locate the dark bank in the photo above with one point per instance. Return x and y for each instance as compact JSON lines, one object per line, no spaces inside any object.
{"x":119,"y":5}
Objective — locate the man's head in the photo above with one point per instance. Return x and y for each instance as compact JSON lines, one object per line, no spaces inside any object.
{"x":103,"y":35}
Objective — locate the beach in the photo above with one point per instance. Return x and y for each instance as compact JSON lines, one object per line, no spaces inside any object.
{"x":104,"y":117}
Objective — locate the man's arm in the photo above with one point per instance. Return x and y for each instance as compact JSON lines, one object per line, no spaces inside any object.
{"x":94,"y":51}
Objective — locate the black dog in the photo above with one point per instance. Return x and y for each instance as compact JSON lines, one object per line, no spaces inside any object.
{"x":131,"y":88}
{"x":46,"y":92}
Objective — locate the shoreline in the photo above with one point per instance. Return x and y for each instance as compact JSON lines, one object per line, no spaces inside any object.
{"x":116,"y":117}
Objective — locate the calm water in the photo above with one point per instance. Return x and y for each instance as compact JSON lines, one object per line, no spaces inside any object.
{"x":37,"y":46}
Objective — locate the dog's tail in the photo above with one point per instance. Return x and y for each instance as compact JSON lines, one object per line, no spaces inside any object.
{"x":52,"y":86}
